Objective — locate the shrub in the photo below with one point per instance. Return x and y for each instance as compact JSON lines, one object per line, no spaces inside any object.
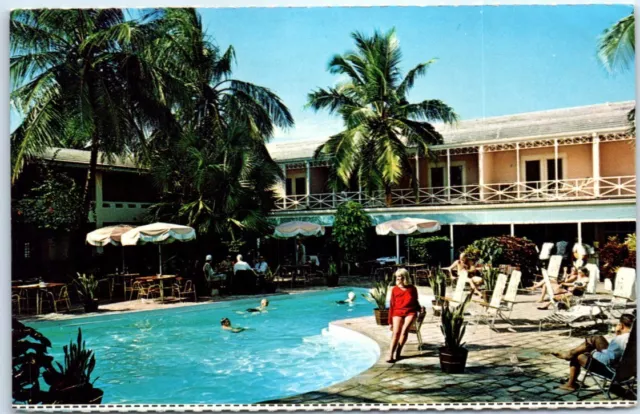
{"x":430,"y":250}
{"x":349,"y":230}
{"x":615,"y":254}
{"x":508,"y":250}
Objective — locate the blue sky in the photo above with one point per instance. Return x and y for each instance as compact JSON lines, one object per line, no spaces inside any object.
{"x":492,"y":60}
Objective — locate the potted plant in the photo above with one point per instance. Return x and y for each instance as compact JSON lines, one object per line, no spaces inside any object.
{"x":438,"y":285}
{"x":332,"y":275}
{"x":378,"y":296}
{"x":269,"y":284}
{"x":453,"y":355}
{"x":87,"y":287}
{"x":490,"y":277}
{"x":71,"y":383}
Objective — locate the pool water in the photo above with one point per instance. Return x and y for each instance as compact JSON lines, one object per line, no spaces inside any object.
{"x":182,"y":356}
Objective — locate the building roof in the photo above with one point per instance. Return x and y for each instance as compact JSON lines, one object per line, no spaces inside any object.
{"x":570,"y":121}
{"x":556,"y":122}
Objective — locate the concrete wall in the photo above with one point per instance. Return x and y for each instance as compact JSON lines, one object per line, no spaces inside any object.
{"x":617,"y":158}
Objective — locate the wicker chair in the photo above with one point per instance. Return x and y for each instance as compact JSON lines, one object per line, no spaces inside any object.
{"x":184,"y":292}
{"x":145,"y":291}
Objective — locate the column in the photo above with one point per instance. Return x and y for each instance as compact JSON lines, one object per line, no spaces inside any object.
{"x":580,"y":232}
{"x":513,"y":229}
{"x":98,"y":205}
{"x":360,"y":193}
{"x":481,"y":171}
{"x":284,"y":186}
{"x":448,"y":174}
{"x":555,"y":161}
{"x":308,"y":183}
{"x":595,"y":157}
{"x":418,"y":177}
{"x":451,"y":251}
{"x":518,"y":169}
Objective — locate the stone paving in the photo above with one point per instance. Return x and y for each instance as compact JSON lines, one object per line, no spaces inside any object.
{"x":510,"y":364}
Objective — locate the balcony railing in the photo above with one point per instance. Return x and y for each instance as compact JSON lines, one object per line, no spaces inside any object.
{"x":500,"y":193}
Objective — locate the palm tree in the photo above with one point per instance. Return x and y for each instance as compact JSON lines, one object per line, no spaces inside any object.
{"x":218,"y":174}
{"x":84,"y":78}
{"x":380,"y":123}
{"x":616,"y":51}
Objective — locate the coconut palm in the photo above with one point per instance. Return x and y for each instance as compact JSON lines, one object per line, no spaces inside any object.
{"x":380,"y":123}
{"x":616,"y":50}
{"x":84,"y":77}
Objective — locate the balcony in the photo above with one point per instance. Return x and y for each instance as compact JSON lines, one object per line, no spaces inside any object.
{"x":121,"y":211}
{"x":621,"y":187}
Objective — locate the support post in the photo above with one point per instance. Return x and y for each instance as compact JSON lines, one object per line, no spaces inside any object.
{"x":360,"y":193}
{"x":417,"y":177}
{"x":308,"y":181}
{"x":513,"y":229}
{"x":481,"y":171}
{"x":397,"y":249}
{"x":555,"y":161}
{"x":284,"y":186}
{"x":595,"y":156}
{"x":448,"y":174}
{"x":451,"y":251}
{"x":579,"y":232}
{"x":98,"y":206}
{"x":518,"y":170}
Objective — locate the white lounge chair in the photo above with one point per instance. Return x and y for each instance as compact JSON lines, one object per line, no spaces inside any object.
{"x":545,"y":251}
{"x":594,"y":276}
{"x":623,"y":291}
{"x":458,"y":293}
{"x":511,"y":294}
{"x":565,"y":317}
{"x":553,"y":268}
{"x":491,"y":309}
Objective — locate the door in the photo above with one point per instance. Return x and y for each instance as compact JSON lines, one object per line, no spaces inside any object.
{"x":533,"y":172}
{"x":456,"y":176}
{"x":301,"y":186}
{"x":437,"y":177}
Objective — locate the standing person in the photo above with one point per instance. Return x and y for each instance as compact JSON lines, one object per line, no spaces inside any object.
{"x":606,"y":356}
{"x":402,"y":312}
{"x":205,"y":281}
{"x":301,"y":253}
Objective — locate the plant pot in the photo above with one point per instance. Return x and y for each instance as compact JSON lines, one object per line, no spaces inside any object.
{"x":453,"y":361}
{"x":382,"y":316}
{"x":436,"y":305}
{"x":91,"y":306}
{"x":85,"y":394}
{"x":332,"y":281}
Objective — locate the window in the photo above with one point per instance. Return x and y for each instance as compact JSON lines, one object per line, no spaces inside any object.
{"x":437,"y":176}
{"x":543,"y":168}
{"x":27,"y":250}
{"x":297,"y":184}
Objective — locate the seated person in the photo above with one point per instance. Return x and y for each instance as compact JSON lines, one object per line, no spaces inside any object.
{"x":351,"y":297}
{"x":464,"y":263}
{"x":566,"y":278}
{"x":225,"y":323}
{"x":225,"y":265}
{"x":606,"y":355}
{"x":261,"y":266}
{"x":241,"y":265}
{"x":571,"y":286}
{"x":263,"y":306}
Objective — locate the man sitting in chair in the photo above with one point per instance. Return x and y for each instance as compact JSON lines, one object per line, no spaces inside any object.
{"x":606,"y":355}
{"x":261,"y":266}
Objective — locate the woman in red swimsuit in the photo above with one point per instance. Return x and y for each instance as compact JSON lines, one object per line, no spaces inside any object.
{"x":402,"y":313}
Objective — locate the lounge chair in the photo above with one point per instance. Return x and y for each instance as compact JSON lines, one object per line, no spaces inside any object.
{"x":458,"y":293}
{"x":417,"y":324}
{"x":553,"y":268}
{"x":594,"y":276}
{"x":492,"y":308}
{"x":565,"y":317}
{"x":545,"y":251}
{"x":624,"y":374}
{"x":623,"y":291}
{"x":511,"y":294}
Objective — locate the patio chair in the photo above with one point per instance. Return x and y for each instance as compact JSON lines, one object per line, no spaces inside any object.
{"x":145,"y":291}
{"x":565,"y":317}
{"x":458,"y":293}
{"x":545,"y":251}
{"x":492,"y":308}
{"x":594,"y":276}
{"x":186,"y":291}
{"x":15,"y":300}
{"x":422,"y":277}
{"x":511,"y":294}
{"x":417,"y":324}
{"x":623,"y":291}
{"x":553,"y":268}
{"x":63,"y":297}
{"x":624,"y":374}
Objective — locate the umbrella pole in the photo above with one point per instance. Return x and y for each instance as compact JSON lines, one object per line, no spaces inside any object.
{"x":397,"y":249}
{"x":122,"y":259}
{"x":160,"y":257}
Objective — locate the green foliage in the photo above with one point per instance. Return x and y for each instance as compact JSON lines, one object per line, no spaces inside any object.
{"x":53,"y":203}
{"x":333,"y":268}
{"x":378,"y":295}
{"x":453,"y":326}
{"x":380,"y":124}
{"x":349,"y":230}
{"x":430,"y":250}
{"x":438,"y":283}
{"x":485,"y":251}
{"x":490,"y":276}
{"x":86,"y":286}
{"x":505,"y":250}
{"x":30,"y":358}
{"x":616,"y":46}
{"x":630,"y":242}
{"x":614,"y":255}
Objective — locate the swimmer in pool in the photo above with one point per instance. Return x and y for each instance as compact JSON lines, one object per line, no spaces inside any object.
{"x":225,"y":323}
{"x":262,"y":308}
{"x":351,"y":297}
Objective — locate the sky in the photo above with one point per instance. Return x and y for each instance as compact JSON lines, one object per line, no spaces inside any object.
{"x":491,"y":60}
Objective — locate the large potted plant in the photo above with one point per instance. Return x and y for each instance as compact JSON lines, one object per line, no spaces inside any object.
{"x":71,"y":383}
{"x":438,"y":285}
{"x":378,"y":296}
{"x":332,"y":275}
{"x":269,"y":285}
{"x":490,"y":277}
{"x":453,"y":355}
{"x":87,"y":287}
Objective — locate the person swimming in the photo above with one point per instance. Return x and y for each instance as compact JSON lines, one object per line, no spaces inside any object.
{"x":264,"y":303}
{"x":351,"y":297}
{"x":225,"y":323}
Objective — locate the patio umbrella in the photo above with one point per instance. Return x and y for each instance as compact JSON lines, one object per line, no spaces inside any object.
{"x":158,"y":233}
{"x":406,"y":226}
{"x":298,"y":228}
{"x":108,"y":235}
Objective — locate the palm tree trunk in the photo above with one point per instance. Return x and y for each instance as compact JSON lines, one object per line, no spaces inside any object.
{"x":89,"y":184}
{"x":387,"y":195}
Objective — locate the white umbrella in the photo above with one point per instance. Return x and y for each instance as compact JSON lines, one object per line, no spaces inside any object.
{"x":298,"y":228}
{"x":406,"y":226}
{"x":108,"y":235}
{"x":158,"y":233}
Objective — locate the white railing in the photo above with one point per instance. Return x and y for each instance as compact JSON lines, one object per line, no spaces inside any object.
{"x":495,"y":193}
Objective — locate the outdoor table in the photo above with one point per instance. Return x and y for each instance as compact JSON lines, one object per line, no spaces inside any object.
{"x":160,"y":279}
{"x":38,"y":287}
{"x":113,"y":277}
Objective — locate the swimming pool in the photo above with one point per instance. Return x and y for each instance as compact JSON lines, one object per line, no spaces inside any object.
{"x":182,"y":356}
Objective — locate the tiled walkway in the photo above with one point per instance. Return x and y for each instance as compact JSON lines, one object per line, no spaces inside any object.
{"x":510,"y":365}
